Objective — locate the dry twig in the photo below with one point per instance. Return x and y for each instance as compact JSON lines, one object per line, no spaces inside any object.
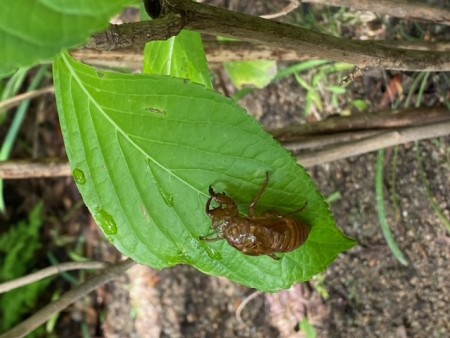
{"x":67,"y":299}
{"x":382,"y":140}
{"x":400,"y":118}
{"x":16,"y":100}
{"x":50,"y":271}
{"x":226,"y":51}
{"x":293,"y":5}
{"x":243,"y":304}
{"x":48,"y":167}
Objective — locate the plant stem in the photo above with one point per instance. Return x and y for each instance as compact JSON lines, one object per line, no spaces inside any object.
{"x":388,"y":236}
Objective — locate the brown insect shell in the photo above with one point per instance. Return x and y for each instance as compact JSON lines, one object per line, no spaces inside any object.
{"x":222,"y":218}
{"x":268,"y":234}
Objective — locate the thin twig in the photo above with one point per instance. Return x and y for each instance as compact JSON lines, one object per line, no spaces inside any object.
{"x":244,"y":304}
{"x":50,"y":271}
{"x":48,"y":167}
{"x":226,"y":51}
{"x":293,"y":5}
{"x":67,"y":299}
{"x":399,"y":118}
{"x":383,"y":140}
{"x":311,"y":143}
{"x":16,"y":100}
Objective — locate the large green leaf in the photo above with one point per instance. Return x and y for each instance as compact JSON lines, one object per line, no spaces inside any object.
{"x":145,"y":148}
{"x":180,"y":56}
{"x":33,"y":31}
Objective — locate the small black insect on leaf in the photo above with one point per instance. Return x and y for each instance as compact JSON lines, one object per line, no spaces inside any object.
{"x":153,"y":8}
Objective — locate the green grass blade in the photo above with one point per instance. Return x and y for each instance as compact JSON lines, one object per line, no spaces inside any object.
{"x":14,"y":83}
{"x":12,"y":87}
{"x":395,"y":199}
{"x":298,"y":68}
{"x":418,"y":78}
{"x":15,"y":127}
{"x":422,"y":87}
{"x":381,"y":212}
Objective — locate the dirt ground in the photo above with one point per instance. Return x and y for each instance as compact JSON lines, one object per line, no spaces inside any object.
{"x":365,"y":293}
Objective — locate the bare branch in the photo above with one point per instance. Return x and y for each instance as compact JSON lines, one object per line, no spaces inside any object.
{"x":218,"y":21}
{"x":67,"y":299}
{"x":382,"y":140}
{"x":136,"y":34}
{"x":382,"y":120}
{"x":225,"y":51}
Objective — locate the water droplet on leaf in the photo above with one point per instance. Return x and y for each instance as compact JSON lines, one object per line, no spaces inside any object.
{"x":78,"y":176}
{"x":106,"y":222}
{"x":213,"y":253}
{"x":169,"y":200}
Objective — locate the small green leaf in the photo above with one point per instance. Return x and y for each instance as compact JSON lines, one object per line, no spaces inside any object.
{"x":149,"y":147}
{"x":337,"y":90}
{"x":298,"y":68}
{"x":251,"y":73}
{"x":180,"y":56}
{"x":308,"y":329}
{"x":361,"y":105}
{"x":303,"y":83}
{"x":35,"y":31}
